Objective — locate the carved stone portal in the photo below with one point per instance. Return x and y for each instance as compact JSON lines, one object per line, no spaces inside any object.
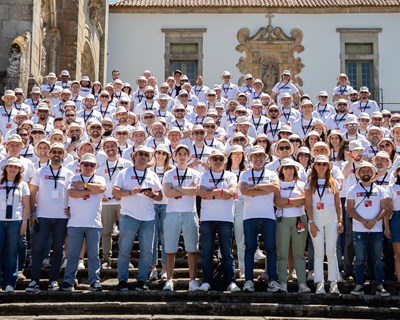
{"x":268,"y":53}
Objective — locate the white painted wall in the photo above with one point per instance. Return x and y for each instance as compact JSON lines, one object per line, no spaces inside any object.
{"x":136,"y":43}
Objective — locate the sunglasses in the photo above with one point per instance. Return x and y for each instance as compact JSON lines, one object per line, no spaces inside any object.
{"x":288,"y":167}
{"x":364,"y":120}
{"x":395,"y":121}
{"x":143,"y":154}
{"x":303,"y":155}
{"x":262,"y":141}
{"x":211,"y":95}
{"x":23,"y":134}
{"x":103,"y":96}
{"x":387,"y":115}
{"x":37,"y":132}
{"x":124,"y":103}
{"x":75,"y":131}
{"x":163,"y":153}
{"x":342,"y":104}
{"x":239,"y":140}
{"x":43,"y":111}
{"x":180,"y":110}
{"x":386,"y":145}
{"x":241,"y":112}
{"x":88,"y":165}
{"x":124,"y":133}
{"x":209,"y":127}
{"x":198,"y":133}
{"x":70,"y":115}
{"x":284,"y":148}
{"x":377,"y":119}
{"x":294,"y":140}
{"x":95,"y":128}
{"x":148,"y":117}
{"x":107,"y":125}
{"x":57,"y":152}
{"x":273,"y":111}
{"x":218,"y":158}
{"x":323,"y":164}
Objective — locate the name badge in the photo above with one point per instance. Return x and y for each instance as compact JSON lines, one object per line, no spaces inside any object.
{"x":367,"y":203}
{"x":320,"y":206}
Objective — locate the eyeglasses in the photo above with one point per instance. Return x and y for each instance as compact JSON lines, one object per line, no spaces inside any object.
{"x":70,"y":115}
{"x":211,"y":95}
{"x":239,"y":140}
{"x":148,"y":117}
{"x":103,"y":96}
{"x":351,"y":125}
{"x":342,"y":104}
{"x":88,"y":165}
{"x":386,"y":145}
{"x":273,"y":111}
{"x":303,"y":155}
{"x":163,"y":153}
{"x":387,"y":115}
{"x":43,"y":111}
{"x":23,"y":134}
{"x":37,"y":132}
{"x":377,"y":119}
{"x":95,"y":128}
{"x":107,"y":125}
{"x":295,"y":140}
{"x":226,"y":77}
{"x":364,"y":120}
{"x":143,"y":154}
{"x":123,"y":133}
{"x":284,"y":148}
{"x":75,"y":131}
{"x":218,"y":158}
{"x":241,"y":112}
{"x":262,"y":141}
{"x":284,"y":132}
{"x":323,"y":164}
{"x":198,"y":133}
{"x":209,"y":127}
{"x":123,"y":102}
{"x":179,"y":110}
{"x":395,"y":121}
{"x":323,"y":97}
{"x":57,"y":152}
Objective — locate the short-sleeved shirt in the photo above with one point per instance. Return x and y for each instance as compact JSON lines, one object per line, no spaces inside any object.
{"x":14,"y":198}
{"x":292,"y":189}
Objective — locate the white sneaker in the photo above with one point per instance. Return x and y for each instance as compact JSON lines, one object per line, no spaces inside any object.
{"x":259,"y":255}
{"x":163,"y":275}
{"x":46,"y":264}
{"x":153,"y":274}
{"x":115,"y":231}
{"x":33,"y":287}
{"x":380,"y":291}
{"x":320,"y":288}
{"x":310,"y":275}
{"x":130,"y":267}
{"x":273,"y":286}
{"x":64,"y":265}
{"x":169,"y":286}
{"x":333,"y":288}
{"x":204,"y":287}
{"x":283,"y":286}
{"x":9,"y":288}
{"x":193,"y":285}
{"x":81,"y":265}
{"x":233,"y":287}
{"x":292,"y":275}
{"x":53,"y":286}
{"x":248,"y":286}
{"x":303,"y":288}
{"x":241,"y":274}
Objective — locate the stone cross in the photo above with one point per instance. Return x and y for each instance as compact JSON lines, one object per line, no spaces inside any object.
{"x":270,"y":16}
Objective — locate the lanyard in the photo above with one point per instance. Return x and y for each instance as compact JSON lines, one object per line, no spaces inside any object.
{"x":238,"y":175}
{"x":323,"y":191}
{"x":308,"y":127}
{"x":180,"y":128}
{"x":250,"y":89}
{"x":258,"y":95}
{"x":151,"y":107}
{"x":161,"y":115}
{"x":159,"y":174}
{"x":201,"y":122}
{"x":196,"y":154}
{"x":55,"y":176}
{"x":196,"y":91}
{"x":170,"y":150}
{"x":272,"y":131}
{"x":342,"y":90}
{"x":340,"y":120}
{"x":18,"y":108}
{"x":34,"y":105}
{"x":226,"y":90}
{"x":89,"y":115}
{"x":367,"y":193}
{"x":96,"y":148}
{"x":209,"y":145}
{"x":8,"y":114}
{"x":321,"y":112}
{"x":181,"y":178}
{"x":381,"y":182}
{"x":254,"y":122}
{"x":284,"y":84}
{"x":142,"y":178}
{"x":110,"y":175}
{"x":259,"y":178}
{"x":8,"y":189}
{"x":230,"y":119}
{"x":89,"y":181}
{"x":51,"y":88}
{"x":105,"y":111}
{"x":218,"y":181}
{"x":287,"y":115}
{"x":140,"y":96}
{"x":365,"y":107}
{"x":48,"y":161}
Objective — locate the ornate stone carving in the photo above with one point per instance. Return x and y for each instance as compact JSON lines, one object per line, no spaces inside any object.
{"x":268,"y":53}
{"x":96,"y":13}
{"x":19,"y":62}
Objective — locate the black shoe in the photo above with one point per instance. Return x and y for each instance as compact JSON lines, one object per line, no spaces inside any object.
{"x":106,"y":264}
{"x":141,"y":286}
{"x":95,"y":286}
{"x":122,"y":286}
{"x":66,"y":287}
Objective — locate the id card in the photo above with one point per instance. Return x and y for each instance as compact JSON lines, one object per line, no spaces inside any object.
{"x":367,"y":203}
{"x":320,"y":206}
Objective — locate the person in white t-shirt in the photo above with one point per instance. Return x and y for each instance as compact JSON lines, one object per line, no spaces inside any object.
{"x":49,"y":215}
{"x":258,"y":186}
{"x":217,"y":190}
{"x":85,"y":193}
{"x":367,"y":204}
{"x":285,"y":86}
{"x":180,"y":187}
{"x":342,"y":91}
{"x":139,"y":188}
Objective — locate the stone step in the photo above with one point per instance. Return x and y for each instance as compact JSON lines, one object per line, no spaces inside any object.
{"x":152,"y":317}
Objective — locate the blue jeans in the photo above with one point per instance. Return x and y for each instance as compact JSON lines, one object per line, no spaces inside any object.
{"x":370,"y":242}
{"x":9,"y":239}
{"x":160,"y":210}
{"x":128,"y":228}
{"x":58,"y":230}
{"x":75,"y":241}
{"x":251,"y":229}
{"x":208,"y":231}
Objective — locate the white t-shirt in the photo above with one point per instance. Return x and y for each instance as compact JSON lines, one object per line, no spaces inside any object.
{"x":281,"y":88}
{"x":160,"y":173}
{"x":260,"y":206}
{"x":322,"y":195}
{"x":288,"y":116}
{"x":368,"y":107}
{"x":274,"y":166}
{"x":394,"y":193}
{"x":200,"y":153}
{"x":52,"y":196}
{"x":138,"y":205}
{"x":337,"y":122}
{"x":29,"y":168}
{"x":367,"y":207}
{"x":14,"y":198}
{"x":292,"y":189}
{"x":217,"y":210}
{"x":185,"y":203}
{"x":86,"y":211}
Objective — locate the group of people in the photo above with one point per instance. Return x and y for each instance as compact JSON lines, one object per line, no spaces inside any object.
{"x":170,"y":161}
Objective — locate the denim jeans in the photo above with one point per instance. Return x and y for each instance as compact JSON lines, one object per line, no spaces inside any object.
{"x":128,"y":228}
{"x":9,"y":239}
{"x":251,"y":229}
{"x":75,"y":241}
{"x":208,"y":231}
{"x":370,"y":242}
{"x":22,"y":252}
{"x":160,"y":210}
{"x":58,"y":230}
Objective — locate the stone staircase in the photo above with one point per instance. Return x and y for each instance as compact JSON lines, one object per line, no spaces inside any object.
{"x":181,"y":304}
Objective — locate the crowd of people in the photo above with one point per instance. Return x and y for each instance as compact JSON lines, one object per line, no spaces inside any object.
{"x":281,"y":177}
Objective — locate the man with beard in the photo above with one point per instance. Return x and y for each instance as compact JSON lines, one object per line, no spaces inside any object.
{"x":33,"y":101}
{"x":200,"y":90}
{"x":382,"y":163}
{"x":65,"y":83}
{"x":192,"y":98}
{"x":121,"y":115}
{"x":185,"y":126}
{"x":374,"y":135}
{"x":58,"y":110}
{"x":157,"y":135}
{"x":110,"y":212}
{"x":367,"y":204}
{"x":51,"y":90}
{"x":138,"y":136}
{"x":75,"y":90}
{"x":95,"y":132}
{"x":353,"y":96}
{"x":27,"y":151}
{"x":163,"y":101}
{"x":364,"y":104}
{"x":50,"y":213}
{"x":43,"y":117}
{"x":138,"y":95}
{"x":351,"y":126}
{"x":105,"y":105}
{"x":271,"y":129}
{"x":108,"y":126}
{"x":75,"y":134}
{"x":324,"y":109}
{"x":210,"y":127}
{"x":377,"y":120}
{"x":199,"y":151}
{"x":7,"y":112}
{"x":230,"y":117}
{"x":242,"y":125}
{"x":19,"y":103}
{"x":88,"y":112}
{"x":70,"y":114}
{"x":211,"y":99}
{"x":288,"y":113}
{"x":183,"y":99}
{"x":338,"y":121}
{"x":230,"y":90}
{"x":148,"y":103}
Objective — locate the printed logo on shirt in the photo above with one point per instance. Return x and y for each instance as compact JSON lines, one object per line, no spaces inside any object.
{"x":119,"y":168}
{"x":54,"y":178}
{"x":364,"y":194}
{"x":262,"y":179}
{"x":186,"y":178}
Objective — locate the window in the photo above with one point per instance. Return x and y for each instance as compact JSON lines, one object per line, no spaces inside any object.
{"x":359,"y":58}
{"x":184,"y":51}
